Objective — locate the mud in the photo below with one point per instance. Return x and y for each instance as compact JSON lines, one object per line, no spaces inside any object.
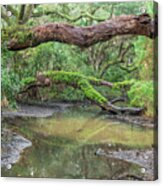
{"x":12,"y":145}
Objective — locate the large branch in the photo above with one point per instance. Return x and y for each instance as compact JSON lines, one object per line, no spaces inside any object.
{"x":81,"y":82}
{"x":83,"y":36}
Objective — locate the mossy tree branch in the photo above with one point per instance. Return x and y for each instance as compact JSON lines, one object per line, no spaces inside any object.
{"x":81,"y":82}
{"x":84,"y":36}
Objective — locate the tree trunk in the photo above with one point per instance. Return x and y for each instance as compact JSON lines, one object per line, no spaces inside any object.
{"x":84,"y":36}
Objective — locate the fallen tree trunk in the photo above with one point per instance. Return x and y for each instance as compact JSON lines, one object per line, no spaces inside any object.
{"x":123,"y":110}
{"x":81,"y":82}
{"x":83,"y":36}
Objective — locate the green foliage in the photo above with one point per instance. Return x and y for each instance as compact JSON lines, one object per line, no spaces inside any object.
{"x":10,"y":86}
{"x":144,"y":58}
{"x":22,"y":36}
{"x":28,"y":80}
{"x":141,"y":94}
{"x":64,"y":77}
{"x":123,"y":84}
{"x":69,"y":94}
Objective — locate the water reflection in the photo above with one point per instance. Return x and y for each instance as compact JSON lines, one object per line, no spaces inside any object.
{"x":68,"y":162}
{"x":65,"y":146}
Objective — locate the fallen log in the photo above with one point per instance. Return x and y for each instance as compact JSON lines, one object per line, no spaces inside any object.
{"x":123,"y":110}
{"x":81,"y":82}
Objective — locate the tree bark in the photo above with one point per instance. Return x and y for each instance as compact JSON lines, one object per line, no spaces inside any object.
{"x":84,"y":36}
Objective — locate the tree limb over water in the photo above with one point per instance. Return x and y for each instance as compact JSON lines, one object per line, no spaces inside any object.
{"x":79,"y":81}
{"x":84,"y":36}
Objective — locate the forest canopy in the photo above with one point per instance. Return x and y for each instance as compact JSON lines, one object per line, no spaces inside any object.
{"x":109,"y":46}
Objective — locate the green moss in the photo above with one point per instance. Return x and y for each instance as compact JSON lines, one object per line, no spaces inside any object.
{"x":94,"y":80}
{"x":20,"y":33}
{"x":141,"y":94}
{"x":23,"y":36}
{"x":80,"y":80}
{"x":64,"y":77}
{"x":90,"y":92}
{"x":126,"y":83}
{"x":28,"y":80}
{"x":74,"y":79}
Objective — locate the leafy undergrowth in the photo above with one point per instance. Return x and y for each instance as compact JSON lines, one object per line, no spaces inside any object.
{"x":141,"y":94}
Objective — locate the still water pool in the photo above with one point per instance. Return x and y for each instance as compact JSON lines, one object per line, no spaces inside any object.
{"x":66,"y":145}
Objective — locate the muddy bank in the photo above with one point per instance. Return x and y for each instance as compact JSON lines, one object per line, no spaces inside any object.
{"x":12,"y":145}
{"x":36,"y":111}
{"x":47,"y":109}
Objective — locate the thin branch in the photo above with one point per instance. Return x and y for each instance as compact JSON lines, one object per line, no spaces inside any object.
{"x":111,"y":12}
{"x":21,"y":14}
{"x":125,"y":51}
{"x":119,"y":99}
{"x":109,"y":64}
{"x":129,"y":69}
{"x":28,"y":12}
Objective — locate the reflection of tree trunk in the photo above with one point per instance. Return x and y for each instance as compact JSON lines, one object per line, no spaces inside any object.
{"x":83,"y":36}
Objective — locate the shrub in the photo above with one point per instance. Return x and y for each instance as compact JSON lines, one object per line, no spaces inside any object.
{"x":10,"y":86}
{"x":141,"y":94}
